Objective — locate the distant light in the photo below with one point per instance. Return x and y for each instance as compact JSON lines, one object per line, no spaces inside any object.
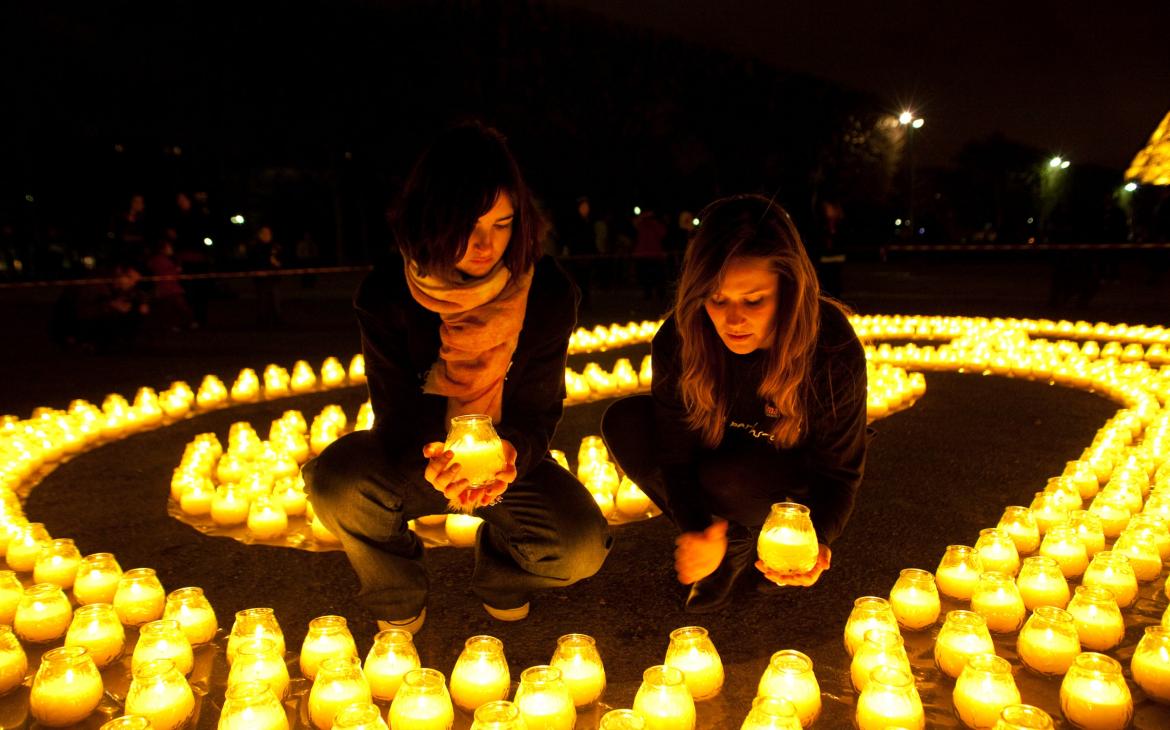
{"x":905,"y":118}
{"x":1055,"y":162}
{"x":89,"y":262}
{"x":917,"y":123}
{"x":119,"y":148}
{"x":177,"y":151}
{"x":29,"y":198}
{"x":1064,"y":165}
{"x":695,"y":221}
{"x":637,"y":210}
{"x":208,"y":242}
{"x":1031,"y":220}
{"x":238,"y":219}
{"x":348,"y":155}
{"x":921,"y":231}
{"x":1130,"y":187}
{"x":897,"y":221}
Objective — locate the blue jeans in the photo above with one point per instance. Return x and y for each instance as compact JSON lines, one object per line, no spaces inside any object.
{"x":547,"y":531}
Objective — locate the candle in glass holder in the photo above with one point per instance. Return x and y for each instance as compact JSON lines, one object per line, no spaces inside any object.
{"x":890,"y":700}
{"x":258,"y":661}
{"x":963,"y":635}
{"x":477,"y":449}
{"x":498,"y":715}
{"x":194,"y":613}
{"x":1066,"y":492}
{"x":958,"y":572}
{"x":1094,"y":695}
{"x":230,"y":505}
{"x":1049,"y":642}
{"x":57,"y":563}
{"x":255,"y":623}
{"x":26,"y":545}
{"x":1112,"y":512}
{"x":790,"y":676}
{"x":43,"y":615}
{"x":67,"y":687}
{"x":196,"y":499}
{"x":1112,"y":571}
{"x":13,"y":661}
{"x":461,"y":529}
{"x":1089,"y":530}
{"x":251,"y":706}
{"x":11,"y":591}
{"x":1023,"y":717}
{"x":692,"y":652}
{"x":881,"y":648}
{"x":1048,"y":509}
{"x":96,"y":627}
{"x":328,"y":636}
{"x":1042,"y":583}
{"x":622,"y":720}
{"x":1151,"y":663}
{"x":914,"y":599}
{"x":580,"y":663}
{"x":1100,"y":625}
{"x":983,"y":689}
{"x":1021,"y":526}
{"x":1155,"y":528}
{"x":97,"y":578}
{"x":422,"y":702}
{"x":997,"y":551}
{"x":390,"y":658}
{"x":1062,"y":544}
{"x":998,"y":601}
{"x":1142,"y":552}
{"x":481,"y":673}
{"x":339,"y":682}
{"x":163,"y":639}
{"x":631,"y":501}
{"x":1081,"y":476}
{"x":140,"y":597}
{"x":161,"y":694}
{"x":869,"y":612}
{"x":267,"y":519}
{"x":771,"y":713}
{"x":788,"y":543}
{"x":664,"y":701}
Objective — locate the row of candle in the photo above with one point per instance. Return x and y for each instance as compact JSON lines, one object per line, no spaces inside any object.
{"x":895,"y":326}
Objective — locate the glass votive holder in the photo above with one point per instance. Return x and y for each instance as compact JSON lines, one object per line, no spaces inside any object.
{"x":790,"y":676}
{"x":663,"y":700}
{"x":958,"y":572}
{"x":267,"y":519}
{"x":229,"y":506}
{"x":26,"y":545}
{"x":1021,"y":527}
{"x":127,"y":722}
{"x":13,"y":661}
{"x":1112,"y":511}
{"x":422,"y":701}
{"x":97,"y":579}
{"x":1142,"y":552}
{"x":1156,"y":528}
{"x":914,"y":599}
{"x":140,"y":597}
{"x":160,"y":693}
{"x":96,"y":627}
{"x":1023,"y":717}
{"x":622,"y":720}
{"x":44,"y":614}
{"x":692,"y":652}
{"x":498,"y":715}
{"x":998,"y":601}
{"x":997,"y":551}
{"x":255,"y":622}
{"x":771,"y":713}
{"x":67,"y":687}
{"x":581,"y":667}
{"x":252,"y":706}
{"x":163,"y":639}
{"x":1049,"y":642}
{"x":328,"y":636}
{"x":544,"y":699}
{"x":1049,"y":509}
{"x":1112,"y":571}
{"x":788,"y":543}
{"x":890,"y":700}
{"x":481,"y":674}
{"x":1089,"y":530}
{"x":1100,"y":624}
{"x":391,"y":657}
{"x":881,"y":648}
{"x":983,"y":689}
{"x":963,"y":635}
{"x":11,"y":591}
{"x":1042,"y":583}
{"x":338,"y":684}
{"x":194,"y":613}
{"x":1080,"y":474}
{"x":869,"y":612}
{"x":257,"y":660}
{"x":1066,"y":492}
{"x":1062,"y":544}
{"x":1094,"y":693}
{"x":58,"y":563}
{"x":1150,"y":665}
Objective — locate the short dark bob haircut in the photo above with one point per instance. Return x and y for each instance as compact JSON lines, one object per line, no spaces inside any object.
{"x":452,"y":184}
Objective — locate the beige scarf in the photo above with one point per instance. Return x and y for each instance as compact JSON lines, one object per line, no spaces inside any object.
{"x":481,"y":325}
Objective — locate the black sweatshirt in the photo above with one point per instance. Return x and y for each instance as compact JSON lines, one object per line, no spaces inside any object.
{"x":744,"y":474}
{"x":400,"y":342}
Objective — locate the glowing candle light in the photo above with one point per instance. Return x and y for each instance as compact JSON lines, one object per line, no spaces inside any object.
{"x":13,"y":661}
{"x":1042,"y":583}
{"x":580,"y":663}
{"x":788,"y":542}
{"x":1048,"y":508}
{"x":11,"y":592}
{"x":461,"y":529}
{"x":664,"y":701}
{"x":391,"y":657}
{"x":163,"y":639}
{"x":869,"y":612}
{"x":477,"y":449}
{"x":252,"y":706}
{"x":771,"y":713}
{"x":140,"y":597}
{"x":1094,"y":695}
{"x":998,"y":601}
{"x":958,"y":572}
{"x":97,"y":579}
{"x":1151,"y":663}
{"x":1142,"y":553}
{"x":881,"y":648}
{"x":194,"y":613}
{"x":481,"y":674}
{"x":422,"y":702}
{"x":267,"y":519}
{"x":914,"y":599}
{"x":44,"y":614}
{"x":1100,"y":625}
{"x":963,"y":635}
{"x":631,"y":501}
{"x":339,"y":683}
{"x":161,"y":694}
{"x":257,"y":660}
{"x":26,"y":545}
{"x":983,"y":689}
{"x":229,"y":507}
{"x":255,"y":623}
{"x":66,"y":689}
{"x":96,"y":628}
{"x":692,"y":652}
{"x":1112,"y":571}
{"x":790,"y":676}
{"x":1062,"y":544}
{"x":997,"y":551}
{"x":1020,"y":525}
{"x":890,"y":700}
{"x":1023,"y":717}
{"x":57,"y":563}
{"x":1089,"y":530}
{"x":196,"y":500}
{"x":1049,"y":642}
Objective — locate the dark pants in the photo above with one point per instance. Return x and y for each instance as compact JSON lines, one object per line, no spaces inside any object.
{"x":547,"y":531}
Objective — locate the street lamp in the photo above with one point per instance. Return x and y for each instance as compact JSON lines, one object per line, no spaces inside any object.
{"x":911,"y":122}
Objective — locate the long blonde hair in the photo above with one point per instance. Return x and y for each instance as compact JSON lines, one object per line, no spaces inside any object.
{"x":747,"y":226}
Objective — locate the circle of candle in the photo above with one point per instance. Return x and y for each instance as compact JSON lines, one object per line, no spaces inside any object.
{"x":622,"y":720}
{"x":1142,"y":553}
{"x":788,"y":543}
{"x":390,"y":658}
{"x":664,"y":701}
{"x":869,"y":612}
{"x":477,"y":449}
{"x":339,"y":683}
{"x":328,"y":636}
{"x":498,"y":715}
{"x":983,"y":689}
{"x":140,"y":597}
{"x":998,"y":601}
{"x":1089,"y":530}
{"x":1042,"y":583}
{"x":1094,"y":695}
{"x":963,"y":635}
{"x":1023,"y":717}
{"x":1100,"y":625}
{"x":163,"y":639}
{"x":914,"y":599}
{"x":997,"y":551}
{"x":11,"y":591}
{"x":13,"y":661}
{"x":67,"y":687}
{"x":1019,"y":523}
{"x":57,"y":563}
{"x":1112,"y":571}
{"x":255,"y":623}
{"x":890,"y":699}
{"x":97,"y":578}
{"x":25,"y":547}
{"x":790,"y":676}
{"x":422,"y":702}
{"x":481,"y":673}
{"x":127,"y":722}
{"x":96,"y":627}
{"x":161,"y":694}
{"x":880,"y":648}
{"x":1049,"y":643}
{"x":461,"y":529}
{"x":692,"y":652}
{"x":258,"y":661}
{"x":771,"y":713}
{"x":580,"y":663}
{"x":251,"y":706}
{"x":194,"y":613}
{"x":43,"y":615}
{"x":958,"y":572}
{"x":1062,"y":544}
{"x":1151,"y":663}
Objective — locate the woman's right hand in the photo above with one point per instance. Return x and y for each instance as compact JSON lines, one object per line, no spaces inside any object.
{"x":441,"y":473}
{"x":698,"y":554}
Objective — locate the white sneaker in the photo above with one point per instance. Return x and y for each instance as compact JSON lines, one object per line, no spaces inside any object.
{"x":507,"y":614}
{"x":413,"y":625}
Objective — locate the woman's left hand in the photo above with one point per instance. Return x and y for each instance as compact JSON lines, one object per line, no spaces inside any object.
{"x":487,"y":495}
{"x":804,"y":580}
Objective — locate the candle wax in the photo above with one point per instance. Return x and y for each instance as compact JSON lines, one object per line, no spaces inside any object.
{"x":384,"y":673}
{"x":914,"y":607}
{"x":1047,"y":651}
{"x":67,"y":699}
{"x":1095,"y":705}
{"x":421,"y":713}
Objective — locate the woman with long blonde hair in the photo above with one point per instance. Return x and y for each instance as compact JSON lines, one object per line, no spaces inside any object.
{"x":758,"y":397}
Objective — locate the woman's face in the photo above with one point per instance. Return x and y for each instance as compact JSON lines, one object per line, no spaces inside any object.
{"x":743,"y":305}
{"x":489,"y":240}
